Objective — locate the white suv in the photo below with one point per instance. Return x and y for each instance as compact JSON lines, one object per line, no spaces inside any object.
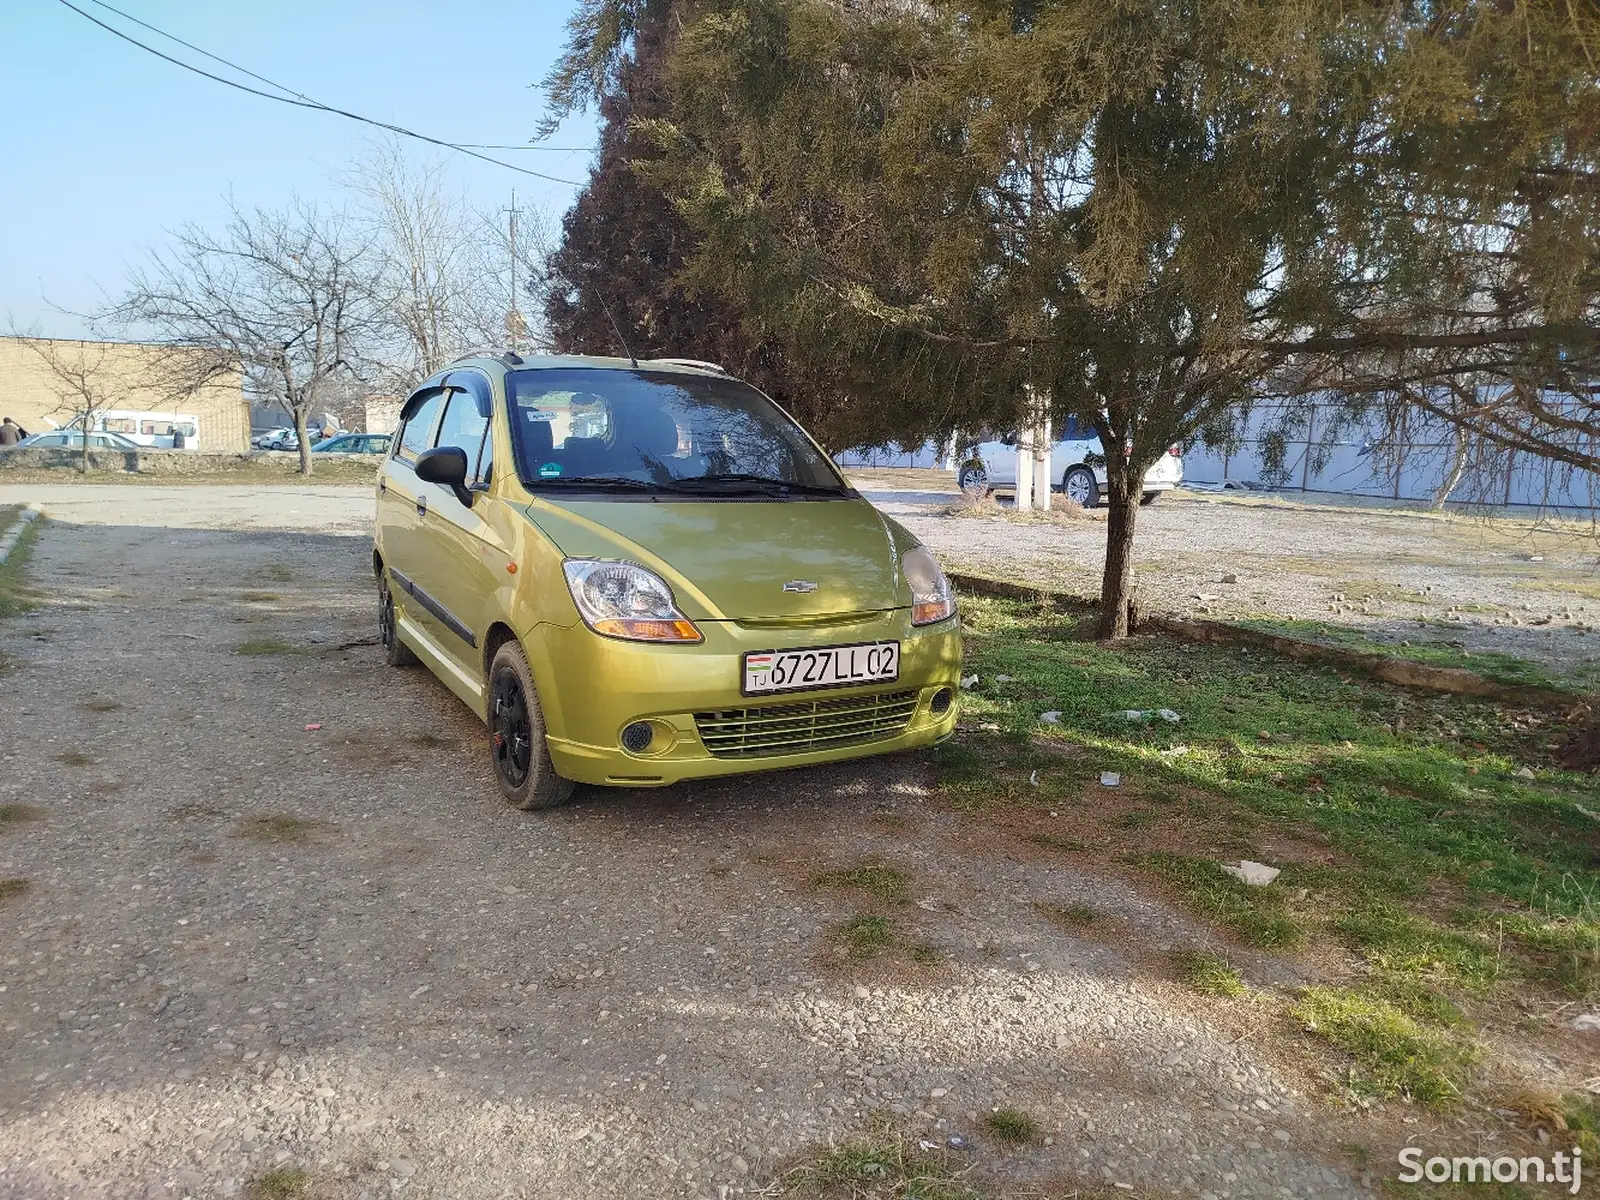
{"x":1079,"y":458}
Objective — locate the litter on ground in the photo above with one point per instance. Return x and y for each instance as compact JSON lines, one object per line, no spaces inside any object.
{"x":1254,"y":873}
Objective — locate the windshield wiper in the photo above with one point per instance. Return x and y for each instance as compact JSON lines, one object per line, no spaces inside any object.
{"x":600,"y":483}
{"x":733,"y":481}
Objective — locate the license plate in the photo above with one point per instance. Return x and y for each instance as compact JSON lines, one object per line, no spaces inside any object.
{"x":768,"y":671}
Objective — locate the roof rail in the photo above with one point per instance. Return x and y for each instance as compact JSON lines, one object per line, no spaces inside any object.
{"x":698,"y":363}
{"x":505,"y":355}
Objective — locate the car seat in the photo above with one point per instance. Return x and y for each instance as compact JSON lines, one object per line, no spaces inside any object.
{"x":538,"y":443}
{"x":585,"y":456}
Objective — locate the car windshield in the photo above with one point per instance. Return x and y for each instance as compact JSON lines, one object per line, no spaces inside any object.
{"x":659,"y":431}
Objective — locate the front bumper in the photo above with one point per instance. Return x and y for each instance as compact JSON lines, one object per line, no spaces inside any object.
{"x":591,"y":687}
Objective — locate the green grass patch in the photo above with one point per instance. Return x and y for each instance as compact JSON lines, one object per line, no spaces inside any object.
{"x":17,"y":814}
{"x":1417,"y":795}
{"x":1012,"y":1127}
{"x":1072,"y":916}
{"x":280,"y":1183}
{"x":881,"y":1164}
{"x":101,"y":704}
{"x":11,"y":888}
{"x":279,"y":827}
{"x":1393,"y":1054}
{"x":16,"y":597}
{"x":74,"y":758}
{"x":1208,"y":972}
{"x":870,"y":876}
{"x":1396,"y":940}
{"x":866,"y":936}
{"x":1258,"y":915}
{"x":1580,"y":1114}
{"x":1405,"y":826}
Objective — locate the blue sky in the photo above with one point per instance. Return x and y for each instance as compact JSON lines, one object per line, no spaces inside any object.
{"x":104,"y":145}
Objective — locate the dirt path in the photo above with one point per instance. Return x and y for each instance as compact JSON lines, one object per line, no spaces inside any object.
{"x":245,"y":945}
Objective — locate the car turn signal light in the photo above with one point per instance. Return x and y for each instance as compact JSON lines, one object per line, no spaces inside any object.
{"x":932,"y":597}
{"x":648,"y":631}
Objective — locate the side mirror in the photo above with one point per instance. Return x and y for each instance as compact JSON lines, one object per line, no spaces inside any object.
{"x":447,"y":466}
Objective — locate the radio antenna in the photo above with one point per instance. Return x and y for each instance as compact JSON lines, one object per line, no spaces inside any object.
{"x":617,"y":329}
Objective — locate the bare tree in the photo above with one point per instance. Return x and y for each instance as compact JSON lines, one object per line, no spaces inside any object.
{"x":449,"y":276}
{"x":288,"y":295}
{"x":82,"y":379}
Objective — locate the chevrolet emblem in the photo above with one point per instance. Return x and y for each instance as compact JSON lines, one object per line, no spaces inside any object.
{"x":799,"y":585}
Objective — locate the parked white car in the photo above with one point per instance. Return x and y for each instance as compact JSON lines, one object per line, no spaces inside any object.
{"x":1077,"y":456}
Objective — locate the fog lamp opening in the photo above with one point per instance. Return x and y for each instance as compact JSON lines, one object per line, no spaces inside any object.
{"x":940,"y":704}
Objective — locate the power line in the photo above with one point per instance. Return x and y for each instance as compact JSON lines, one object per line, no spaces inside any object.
{"x":290,"y":96}
{"x":298,"y":96}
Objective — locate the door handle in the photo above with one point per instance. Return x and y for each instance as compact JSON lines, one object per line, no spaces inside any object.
{"x":422,"y":506}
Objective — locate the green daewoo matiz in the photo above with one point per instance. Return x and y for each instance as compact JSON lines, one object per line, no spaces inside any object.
{"x":641,"y":572}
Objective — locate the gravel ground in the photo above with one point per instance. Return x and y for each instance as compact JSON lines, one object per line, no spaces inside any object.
{"x":1520,"y":585}
{"x":414,"y":990}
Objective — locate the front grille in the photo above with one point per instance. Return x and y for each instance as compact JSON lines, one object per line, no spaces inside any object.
{"x":796,"y":728}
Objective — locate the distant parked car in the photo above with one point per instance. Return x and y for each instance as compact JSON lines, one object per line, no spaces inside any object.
{"x":286,"y":439}
{"x":260,"y":441}
{"x":354,"y":443}
{"x":1078,"y":456}
{"x":71,"y":439}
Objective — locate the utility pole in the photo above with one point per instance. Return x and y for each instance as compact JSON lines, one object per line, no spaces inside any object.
{"x":514,"y":325}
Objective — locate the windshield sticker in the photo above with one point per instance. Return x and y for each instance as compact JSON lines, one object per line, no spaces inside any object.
{"x":533,"y":414}
{"x":549,"y":470}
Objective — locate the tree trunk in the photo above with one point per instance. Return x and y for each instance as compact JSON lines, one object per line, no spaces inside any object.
{"x":83,"y":454}
{"x":1116,"y":585}
{"x":1022,"y":495}
{"x":303,"y":436}
{"x":1452,"y":478}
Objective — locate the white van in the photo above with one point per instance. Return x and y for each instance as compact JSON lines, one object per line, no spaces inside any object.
{"x":156,"y":429}
{"x":1079,"y":458}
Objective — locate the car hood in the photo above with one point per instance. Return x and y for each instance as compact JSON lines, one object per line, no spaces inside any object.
{"x":730,"y":559}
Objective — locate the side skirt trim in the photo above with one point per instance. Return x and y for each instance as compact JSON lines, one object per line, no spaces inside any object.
{"x":444,"y":616}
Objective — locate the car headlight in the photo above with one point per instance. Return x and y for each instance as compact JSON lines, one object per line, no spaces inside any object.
{"x":932,"y":597}
{"x":622,"y":600}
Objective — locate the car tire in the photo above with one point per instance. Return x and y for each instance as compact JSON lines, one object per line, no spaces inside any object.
{"x":1079,"y":484}
{"x":517,"y":750}
{"x":395,"y":652}
{"x":973,"y":478}
{"x":1149,"y":498}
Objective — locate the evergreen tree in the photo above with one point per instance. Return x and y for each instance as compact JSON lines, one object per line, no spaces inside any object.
{"x":1150,"y":213}
{"x":624,"y":247}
